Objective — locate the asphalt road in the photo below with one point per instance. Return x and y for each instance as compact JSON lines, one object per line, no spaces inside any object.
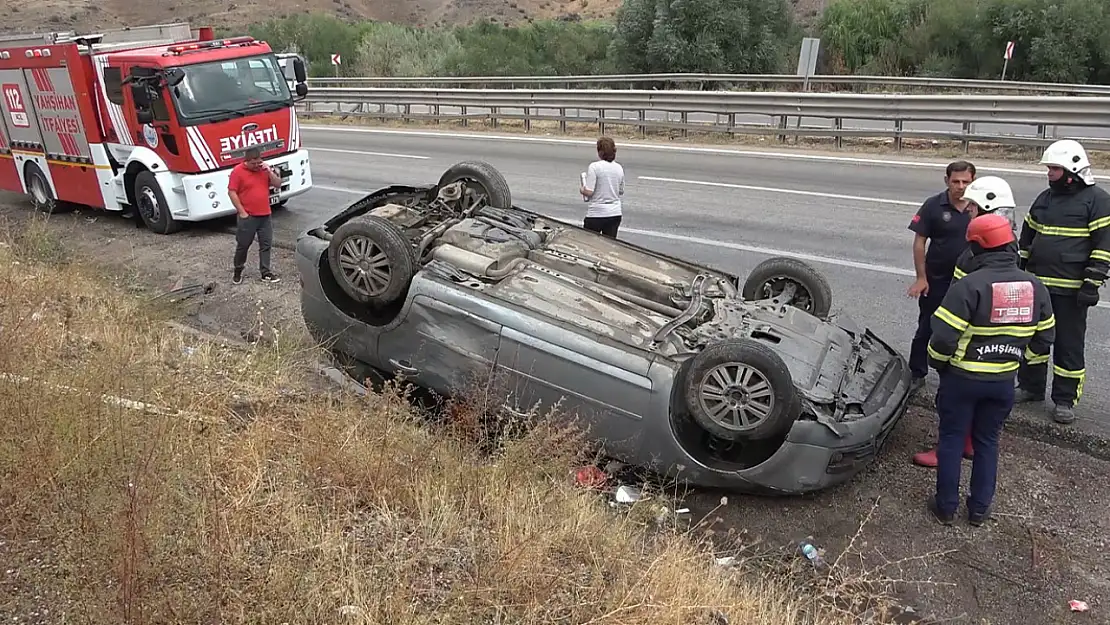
{"x":887,"y":126}
{"x":728,"y":208}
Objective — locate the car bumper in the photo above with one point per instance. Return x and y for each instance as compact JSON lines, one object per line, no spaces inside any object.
{"x":200,"y":197}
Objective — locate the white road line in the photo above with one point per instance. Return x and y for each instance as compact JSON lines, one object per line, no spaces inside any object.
{"x":740,"y":247}
{"x":671,"y":148}
{"x":853,"y":198}
{"x":386,"y":154}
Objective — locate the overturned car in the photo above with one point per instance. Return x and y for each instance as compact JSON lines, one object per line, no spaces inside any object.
{"x":671,"y":365}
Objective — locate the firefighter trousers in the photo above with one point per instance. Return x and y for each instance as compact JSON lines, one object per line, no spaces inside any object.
{"x":981,"y":407}
{"x":1068,"y":365}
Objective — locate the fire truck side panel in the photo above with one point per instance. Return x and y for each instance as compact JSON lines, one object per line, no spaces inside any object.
{"x":63,"y":134}
{"x":15,"y":100}
{"x":9,"y":175}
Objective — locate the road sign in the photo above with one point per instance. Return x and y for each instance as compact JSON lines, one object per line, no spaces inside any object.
{"x":1009,"y":51}
{"x":335,"y":59}
{"x":807,"y":59}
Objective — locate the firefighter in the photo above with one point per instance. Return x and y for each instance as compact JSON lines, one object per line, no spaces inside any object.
{"x":1065,"y":242}
{"x":985,"y":196}
{"x":990,"y":321}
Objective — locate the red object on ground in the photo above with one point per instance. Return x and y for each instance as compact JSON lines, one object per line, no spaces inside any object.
{"x":929,"y":458}
{"x":590,"y":477}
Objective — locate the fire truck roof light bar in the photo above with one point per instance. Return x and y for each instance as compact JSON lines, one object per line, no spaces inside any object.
{"x":218,"y":43}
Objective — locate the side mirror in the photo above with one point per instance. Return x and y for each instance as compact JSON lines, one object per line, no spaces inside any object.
{"x":140,"y":95}
{"x":302,"y":89}
{"x":174,"y":76}
{"x":298,"y":70}
{"x":144,"y":116}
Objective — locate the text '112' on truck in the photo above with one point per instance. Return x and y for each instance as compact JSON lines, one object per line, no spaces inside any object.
{"x":148,"y":119}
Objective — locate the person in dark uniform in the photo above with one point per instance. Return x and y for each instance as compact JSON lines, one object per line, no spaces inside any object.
{"x":1065,"y":242}
{"x":985,"y":196}
{"x":942,"y":223}
{"x":989,"y":322}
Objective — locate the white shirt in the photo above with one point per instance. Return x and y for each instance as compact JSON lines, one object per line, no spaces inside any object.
{"x":607,"y":181}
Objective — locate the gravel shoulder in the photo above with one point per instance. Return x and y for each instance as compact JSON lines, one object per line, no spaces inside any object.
{"x":1042,"y":549}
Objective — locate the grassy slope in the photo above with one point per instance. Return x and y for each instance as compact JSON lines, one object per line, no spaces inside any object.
{"x":269,"y":501}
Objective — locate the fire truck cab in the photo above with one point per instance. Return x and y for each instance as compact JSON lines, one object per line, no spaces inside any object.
{"x":147,"y":120}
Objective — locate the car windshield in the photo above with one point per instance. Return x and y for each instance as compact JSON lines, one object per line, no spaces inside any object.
{"x":234,"y":85}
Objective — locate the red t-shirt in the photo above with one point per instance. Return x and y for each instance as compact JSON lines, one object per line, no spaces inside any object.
{"x":253,"y":188}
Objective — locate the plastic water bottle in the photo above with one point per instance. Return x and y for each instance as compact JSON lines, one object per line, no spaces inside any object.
{"x":810,"y":552}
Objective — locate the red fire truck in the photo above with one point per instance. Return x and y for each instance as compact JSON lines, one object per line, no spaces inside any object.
{"x":148,"y":120}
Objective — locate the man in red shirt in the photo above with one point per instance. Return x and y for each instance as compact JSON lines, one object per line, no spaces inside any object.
{"x":249,"y":188}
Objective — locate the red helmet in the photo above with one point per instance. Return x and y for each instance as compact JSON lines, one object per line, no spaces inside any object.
{"x":990,"y":231}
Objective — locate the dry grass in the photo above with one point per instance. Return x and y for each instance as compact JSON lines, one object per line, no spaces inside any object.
{"x":1020,"y":155}
{"x":254,"y":496}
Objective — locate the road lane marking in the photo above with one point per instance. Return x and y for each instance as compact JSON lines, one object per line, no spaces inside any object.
{"x":672,"y":148}
{"x":853,"y":198}
{"x":361,"y":153}
{"x":741,"y":247}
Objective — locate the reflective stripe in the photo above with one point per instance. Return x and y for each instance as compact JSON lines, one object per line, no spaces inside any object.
{"x":1023,"y":253}
{"x":1060,"y":231}
{"x":1015,"y":331}
{"x":1033,"y":358}
{"x":1101,"y":222}
{"x":1064,"y":373}
{"x":1097,"y":283}
{"x":986,"y":367}
{"x":1063,"y":283}
{"x":950,"y":318}
{"x":958,"y":273}
{"x":1100,"y":255}
{"x":937,"y":355}
{"x":1047,"y":323}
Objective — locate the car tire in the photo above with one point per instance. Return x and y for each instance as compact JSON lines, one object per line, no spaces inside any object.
{"x":814,"y":295}
{"x":150,"y":204}
{"x":38,"y":188}
{"x":367,"y":242}
{"x":484,"y":175}
{"x":744,"y":378}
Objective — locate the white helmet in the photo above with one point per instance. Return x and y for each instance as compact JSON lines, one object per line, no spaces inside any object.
{"x":990,"y":193}
{"x":1070,"y":155}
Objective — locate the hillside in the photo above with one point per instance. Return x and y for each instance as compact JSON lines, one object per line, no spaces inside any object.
{"x":96,"y":14}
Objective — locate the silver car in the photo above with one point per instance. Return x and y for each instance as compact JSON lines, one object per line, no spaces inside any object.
{"x":671,"y":365}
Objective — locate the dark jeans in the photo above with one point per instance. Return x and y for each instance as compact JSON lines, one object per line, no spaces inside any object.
{"x":1068,"y":364}
{"x":605,"y":225}
{"x":982,"y":407}
{"x":249,"y":228}
{"x":927,"y":305}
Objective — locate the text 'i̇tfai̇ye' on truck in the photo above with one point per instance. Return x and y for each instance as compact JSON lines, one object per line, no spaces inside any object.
{"x":148,"y":120}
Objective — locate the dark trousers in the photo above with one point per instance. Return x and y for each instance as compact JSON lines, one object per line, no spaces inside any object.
{"x":605,"y":225}
{"x":247,"y":230}
{"x":1067,"y":355}
{"x":927,"y":305}
{"x":982,"y":407}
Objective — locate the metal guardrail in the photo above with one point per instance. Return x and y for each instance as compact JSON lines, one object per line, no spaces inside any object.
{"x":720,"y":111}
{"x":789,"y":80}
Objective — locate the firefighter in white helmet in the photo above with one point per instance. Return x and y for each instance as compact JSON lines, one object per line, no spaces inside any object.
{"x":1065,"y":242}
{"x":985,"y":196}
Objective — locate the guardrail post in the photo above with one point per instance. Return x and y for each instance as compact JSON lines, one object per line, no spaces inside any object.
{"x":898,"y":135}
{"x":465,"y":119}
{"x":966,"y":143}
{"x":643,"y":128}
{"x":685,"y":117}
{"x":601,"y":121}
{"x":838,"y":124}
{"x":435,"y":111}
{"x":782,"y":126}
{"x":494,"y":111}
{"x":731,"y":125}
{"x":527,"y":119}
{"x":408,"y":113}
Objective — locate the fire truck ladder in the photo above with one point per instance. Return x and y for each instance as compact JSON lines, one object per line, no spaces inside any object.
{"x":116,"y":38}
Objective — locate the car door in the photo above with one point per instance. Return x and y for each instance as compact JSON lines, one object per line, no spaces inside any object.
{"x":602,"y":385}
{"x":440,"y":346}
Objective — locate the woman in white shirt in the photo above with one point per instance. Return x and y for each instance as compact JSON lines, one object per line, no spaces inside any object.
{"x":602,"y":188}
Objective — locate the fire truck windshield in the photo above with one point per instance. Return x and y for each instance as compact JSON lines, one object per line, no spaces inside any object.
{"x":230,"y":87}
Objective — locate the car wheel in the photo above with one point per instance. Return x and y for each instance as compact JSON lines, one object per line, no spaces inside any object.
{"x":482,"y":178}
{"x":741,"y":390}
{"x":39,"y":190}
{"x":371,"y":260}
{"x":812,"y":292}
{"x":151,"y":205}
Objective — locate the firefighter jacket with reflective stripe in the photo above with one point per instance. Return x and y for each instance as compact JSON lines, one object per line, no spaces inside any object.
{"x":963,"y":263}
{"x":991,"y":319}
{"x":1065,"y":239}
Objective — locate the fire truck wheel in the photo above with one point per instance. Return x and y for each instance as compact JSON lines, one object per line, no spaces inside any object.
{"x":152,"y":205}
{"x":41,"y":195}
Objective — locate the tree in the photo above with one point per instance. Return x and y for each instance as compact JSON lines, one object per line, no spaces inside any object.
{"x":715,"y":36}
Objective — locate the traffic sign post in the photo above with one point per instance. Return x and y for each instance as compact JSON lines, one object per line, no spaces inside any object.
{"x":335,"y":61}
{"x":807,"y":60}
{"x":1006,"y":56}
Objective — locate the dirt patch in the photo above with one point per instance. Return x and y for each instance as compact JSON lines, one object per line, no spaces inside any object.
{"x":1042,"y":549}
